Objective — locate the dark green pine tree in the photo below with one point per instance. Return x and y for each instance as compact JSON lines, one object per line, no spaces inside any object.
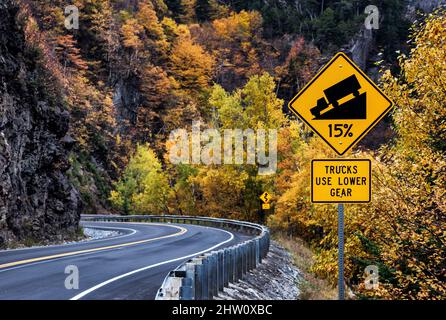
{"x":208,"y":10}
{"x":202,"y":10}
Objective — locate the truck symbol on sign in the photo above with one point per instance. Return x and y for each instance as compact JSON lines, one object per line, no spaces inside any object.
{"x":352,"y":109}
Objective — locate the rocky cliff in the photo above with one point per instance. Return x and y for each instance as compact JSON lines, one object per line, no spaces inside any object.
{"x":37,"y":202}
{"x":362,"y":44}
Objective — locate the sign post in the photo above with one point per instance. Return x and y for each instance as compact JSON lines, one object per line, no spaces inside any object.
{"x":341,"y":294}
{"x":341,"y":104}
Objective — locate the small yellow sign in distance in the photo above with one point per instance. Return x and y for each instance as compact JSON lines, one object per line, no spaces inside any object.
{"x":341,"y":181}
{"x":341,"y":104}
{"x":265,"y":197}
{"x":266,"y":206}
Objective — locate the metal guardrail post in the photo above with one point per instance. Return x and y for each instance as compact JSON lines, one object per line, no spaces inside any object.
{"x":242,"y":260}
{"x":210,"y":275}
{"x":246,"y":257}
{"x":239,"y":262}
{"x":221,"y":268}
{"x":214,"y":274}
{"x":186,"y":289}
{"x":205,"y":290}
{"x":234,"y":266}
{"x":263,"y":247}
{"x":254,"y":254}
{"x":227,"y":269}
{"x":250,"y":256}
{"x":199,"y":279}
{"x":257,"y":242}
{"x":190,"y":274}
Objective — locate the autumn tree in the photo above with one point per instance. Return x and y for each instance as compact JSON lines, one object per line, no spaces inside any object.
{"x":187,"y":11}
{"x":238,"y":45}
{"x":209,"y":10}
{"x":191,"y":65}
{"x":298,"y":68}
{"x":69,"y":54}
{"x":409,"y":206}
{"x":143,"y":188}
{"x":232,"y":190}
{"x":402,"y":229}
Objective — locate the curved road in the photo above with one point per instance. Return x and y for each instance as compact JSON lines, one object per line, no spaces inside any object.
{"x":132,"y":265}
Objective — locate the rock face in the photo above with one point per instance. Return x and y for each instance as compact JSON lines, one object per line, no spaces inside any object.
{"x":425,"y":5}
{"x":37,"y":202}
{"x":362,"y":44}
{"x":361,"y":47}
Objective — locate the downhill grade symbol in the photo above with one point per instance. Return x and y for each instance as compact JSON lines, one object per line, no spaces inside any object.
{"x":341,"y":181}
{"x":341,"y":104}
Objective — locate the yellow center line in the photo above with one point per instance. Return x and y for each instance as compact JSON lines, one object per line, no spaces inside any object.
{"x":67,"y":254}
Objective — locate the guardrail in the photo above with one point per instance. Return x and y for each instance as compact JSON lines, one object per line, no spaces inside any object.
{"x":204,"y":276}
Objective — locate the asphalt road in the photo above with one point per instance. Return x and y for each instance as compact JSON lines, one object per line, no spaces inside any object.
{"x":132,"y":265}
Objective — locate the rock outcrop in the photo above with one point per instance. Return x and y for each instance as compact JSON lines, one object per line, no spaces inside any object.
{"x":361,"y":46}
{"x":425,"y":5}
{"x":37,"y":201}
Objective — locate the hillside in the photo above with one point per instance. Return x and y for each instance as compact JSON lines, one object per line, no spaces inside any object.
{"x":37,"y":201}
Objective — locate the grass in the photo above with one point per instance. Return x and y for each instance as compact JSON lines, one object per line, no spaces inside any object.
{"x":311,"y":287}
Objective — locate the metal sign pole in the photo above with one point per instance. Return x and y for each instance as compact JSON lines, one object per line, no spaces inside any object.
{"x":341,"y":251}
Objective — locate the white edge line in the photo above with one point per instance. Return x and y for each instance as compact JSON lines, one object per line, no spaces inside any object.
{"x":102,"y":284}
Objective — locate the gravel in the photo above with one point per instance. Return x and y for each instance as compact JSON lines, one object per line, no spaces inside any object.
{"x":275,"y":279}
{"x":94,"y":234}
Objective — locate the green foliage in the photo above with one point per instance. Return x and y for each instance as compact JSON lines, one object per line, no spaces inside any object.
{"x":329,"y":23}
{"x":209,"y":10}
{"x":231,"y":190}
{"x":254,"y":106}
{"x":143,"y":187}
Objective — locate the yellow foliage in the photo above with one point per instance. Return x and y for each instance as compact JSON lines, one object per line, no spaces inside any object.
{"x":402,"y":229}
{"x":131,"y":31}
{"x":191,"y":65}
{"x":242,"y":25}
{"x":143,"y":188}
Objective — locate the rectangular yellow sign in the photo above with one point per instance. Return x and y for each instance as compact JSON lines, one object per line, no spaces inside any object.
{"x":341,"y":181}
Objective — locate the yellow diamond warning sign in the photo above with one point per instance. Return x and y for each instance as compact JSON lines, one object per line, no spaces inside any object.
{"x":341,"y":104}
{"x":341,"y":181}
{"x":265,"y":197}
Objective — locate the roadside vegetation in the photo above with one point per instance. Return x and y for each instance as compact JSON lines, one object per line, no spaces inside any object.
{"x":310,"y":285}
